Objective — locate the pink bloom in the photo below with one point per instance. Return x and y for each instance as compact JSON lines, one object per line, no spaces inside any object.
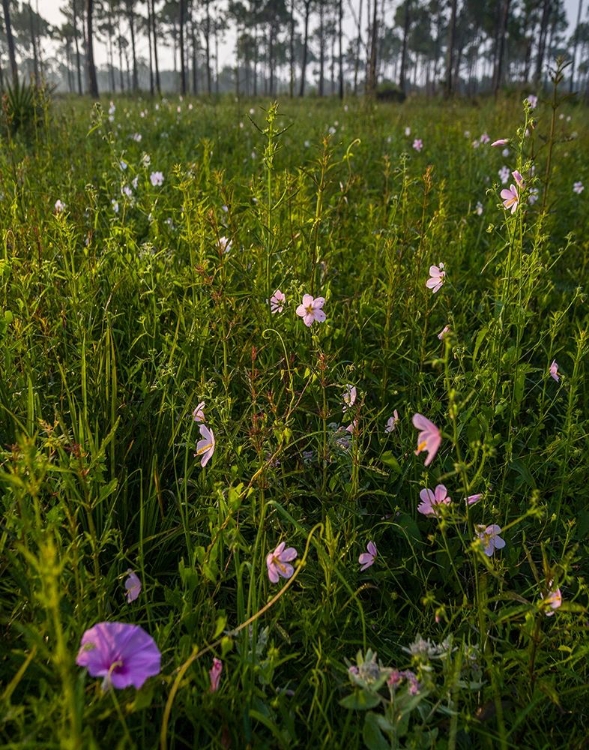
{"x":553,"y":600}
{"x":367,"y":559}
{"x":59,"y":206}
{"x":430,"y":500}
{"x":133,"y":586}
{"x":518,"y":179}
{"x":554,"y":371}
{"x":277,"y":301}
{"x":484,"y":138}
{"x":352,"y":427}
{"x":443,"y":332}
{"x":510,"y":198}
{"x":349,"y":397}
{"x":490,"y":538}
{"x":206,"y":446}
{"x":472,"y":499}
{"x":428,"y":439}
{"x":310,"y":310}
{"x":437,"y":276}
{"x":418,"y":144}
{"x":215,"y":674}
{"x":199,"y":413}
{"x":532,"y":100}
{"x":278,"y":562}
{"x":392,"y":421}
{"x":500,"y":142}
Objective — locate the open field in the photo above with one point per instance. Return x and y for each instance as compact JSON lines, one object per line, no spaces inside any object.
{"x":143,"y":249}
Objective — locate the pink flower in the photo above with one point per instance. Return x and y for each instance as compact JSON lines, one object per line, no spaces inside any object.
{"x":199,"y":413}
{"x":206,"y":446}
{"x":392,"y":421}
{"x":349,"y":397}
{"x":510,"y":198}
{"x":310,"y":310}
{"x":532,"y":100}
{"x":418,"y":144}
{"x":430,"y":500}
{"x":133,"y":586}
{"x":472,"y":499}
{"x":277,"y":301}
{"x":443,"y":332}
{"x":278,"y":562}
{"x":500,"y":142}
{"x":553,"y":601}
{"x":428,"y":439}
{"x":554,"y":371}
{"x":215,"y":674}
{"x":518,"y":179}
{"x":437,"y":276}
{"x":367,"y":559}
{"x":490,"y":538}
{"x":484,"y":138}
{"x":59,"y":206}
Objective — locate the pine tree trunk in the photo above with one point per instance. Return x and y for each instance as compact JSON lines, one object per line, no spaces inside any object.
{"x":10,"y":42}
{"x":305,"y":47}
{"x":182,"y":51}
{"x":91,"y":68}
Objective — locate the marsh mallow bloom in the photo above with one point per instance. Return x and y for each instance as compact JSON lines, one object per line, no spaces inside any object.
{"x":349,"y":397}
{"x":215,"y":674}
{"x":133,"y":586}
{"x":437,"y":276}
{"x":532,"y":100}
{"x":277,"y":301}
{"x":500,"y":142}
{"x":554,"y":370}
{"x":205,"y":447}
{"x":59,"y":206}
{"x":121,"y":654}
{"x":392,"y":422}
{"x":430,"y":500}
{"x":552,"y":601}
{"x":310,"y":310}
{"x":473,"y":499}
{"x":428,"y":439}
{"x":199,"y":413}
{"x":442,"y":334}
{"x":490,"y":538}
{"x":367,"y":559}
{"x":510,"y":198}
{"x":278,"y":562}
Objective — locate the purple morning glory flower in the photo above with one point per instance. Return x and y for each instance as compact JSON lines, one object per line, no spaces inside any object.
{"x":120,"y":653}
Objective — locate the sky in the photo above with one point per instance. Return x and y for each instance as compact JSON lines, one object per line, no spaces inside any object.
{"x":49,"y":9}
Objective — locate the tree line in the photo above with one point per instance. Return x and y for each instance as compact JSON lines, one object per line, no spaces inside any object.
{"x":328,"y":47}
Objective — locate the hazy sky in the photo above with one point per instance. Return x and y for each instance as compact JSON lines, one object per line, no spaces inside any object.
{"x":49,"y":9}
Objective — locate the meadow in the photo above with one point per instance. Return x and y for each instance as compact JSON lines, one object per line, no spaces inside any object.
{"x":357,"y":518}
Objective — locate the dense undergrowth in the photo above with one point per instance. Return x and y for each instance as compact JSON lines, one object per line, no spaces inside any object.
{"x":130,"y":297}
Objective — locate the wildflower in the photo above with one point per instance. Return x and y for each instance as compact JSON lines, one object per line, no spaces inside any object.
{"x":277,"y":301}
{"x":120,"y":653}
{"x":206,"y":446}
{"x":442,"y":334}
{"x":533,"y":194}
{"x":123,"y":165}
{"x":578,"y":188}
{"x":500,"y":142}
{"x":59,"y":206}
{"x":554,"y":370}
{"x":367,"y":559}
{"x":479,"y":208}
{"x":418,"y":144}
{"x":510,"y":198}
{"x":430,"y":500}
{"x":392,"y":422}
{"x":310,"y":310}
{"x":115,"y":205}
{"x":407,"y":131}
{"x":437,"y":276}
{"x":199,"y":413}
{"x":349,"y":397}
{"x":352,"y":427}
{"x":490,"y":538}
{"x":484,"y":138}
{"x":126,"y":190}
{"x":503,"y":174}
{"x":146,"y":160}
{"x":552,"y":601}
{"x":476,"y":143}
{"x":278,"y":562}
{"x":532,"y":100}
{"x":518,"y":179}
{"x":369,"y":673}
{"x":472,"y":499}
{"x":156,"y":178}
{"x":224,"y":244}
{"x":133,"y":586}
{"x":137,"y":137}
{"x":215,"y":674}
{"x":428,"y":439}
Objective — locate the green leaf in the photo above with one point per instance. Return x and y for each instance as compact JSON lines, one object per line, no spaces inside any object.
{"x":360,"y":700}
{"x":372,"y":736}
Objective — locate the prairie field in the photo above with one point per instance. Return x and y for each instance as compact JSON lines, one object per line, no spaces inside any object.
{"x":294,"y":424}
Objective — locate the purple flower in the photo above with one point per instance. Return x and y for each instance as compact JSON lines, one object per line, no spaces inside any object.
{"x":311,"y":310}
{"x":392,"y":421}
{"x":473,"y":499}
{"x":554,"y":370}
{"x":277,"y":301}
{"x":278,"y":562}
{"x":122,"y":654}
{"x":532,"y":100}
{"x":578,"y":188}
{"x":443,"y":332}
{"x":206,"y":446}
{"x":418,"y":144}
{"x":510,"y":198}
{"x":133,"y":586}
{"x":490,"y":538}
{"x":199,"y":413}
{"x":430,"y":500}
{"x":367,"y":559}
{"x":215,"y":674}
